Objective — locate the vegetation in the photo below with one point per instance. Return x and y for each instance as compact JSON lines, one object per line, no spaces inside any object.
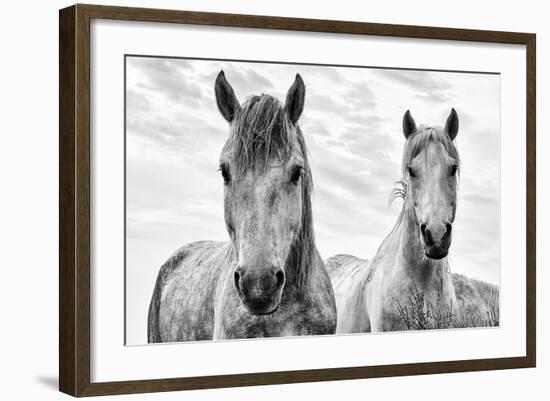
{"x":478,"y":306}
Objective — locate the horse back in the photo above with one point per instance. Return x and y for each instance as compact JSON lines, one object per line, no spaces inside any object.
{"x":182,"y":304}
{"x":477,"y":300}
{"x":340,"y":267}
{"x":347,"y":275}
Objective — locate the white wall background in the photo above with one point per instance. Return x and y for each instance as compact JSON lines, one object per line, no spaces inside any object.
{"x":29,"y":185}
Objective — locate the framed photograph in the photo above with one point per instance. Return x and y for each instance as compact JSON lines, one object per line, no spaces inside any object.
{"x":250,"y":200}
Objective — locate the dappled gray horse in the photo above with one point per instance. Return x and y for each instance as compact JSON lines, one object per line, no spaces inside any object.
{"x":269,"y":279}
{"x":413,"y":255}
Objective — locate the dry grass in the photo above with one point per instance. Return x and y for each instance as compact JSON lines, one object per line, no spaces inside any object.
{"x":419,"y":314}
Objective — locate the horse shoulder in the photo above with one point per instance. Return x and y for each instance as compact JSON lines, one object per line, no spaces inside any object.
{"x":165,"y":271}
{"x":191,"y":270}
{"x":315,"y":305}
{"x":387,"y":291}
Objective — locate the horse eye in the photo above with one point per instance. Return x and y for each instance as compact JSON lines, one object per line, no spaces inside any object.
{"x":225,"y":173}
{"x":411,"y":172}
{"x":454,"y":170}
{"x":296,"y":174}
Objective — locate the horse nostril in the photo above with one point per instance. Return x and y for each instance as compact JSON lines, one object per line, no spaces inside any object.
{"x":423,"y":229}
{"x":427,"y":235}
{"x":237,"y":278}
{"x":280,"y":275}
{"x":448,"y":228}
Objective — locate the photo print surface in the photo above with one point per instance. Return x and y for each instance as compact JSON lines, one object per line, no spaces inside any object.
{"x":269,"y":199}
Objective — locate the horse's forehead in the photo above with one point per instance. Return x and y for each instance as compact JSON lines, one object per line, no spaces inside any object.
{"x":270,"y":172}
{"x":273,"y":172}
{"x":434,"y":154}
{"x":271,"y":166}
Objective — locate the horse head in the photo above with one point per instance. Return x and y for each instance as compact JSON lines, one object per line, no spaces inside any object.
{"x":430,"y":168}
{"x":267,"y":184}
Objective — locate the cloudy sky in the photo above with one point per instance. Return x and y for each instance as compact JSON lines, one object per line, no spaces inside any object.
{"x":352,"y":126}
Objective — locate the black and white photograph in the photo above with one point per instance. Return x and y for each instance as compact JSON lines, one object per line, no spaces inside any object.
{"x":279,"y":199}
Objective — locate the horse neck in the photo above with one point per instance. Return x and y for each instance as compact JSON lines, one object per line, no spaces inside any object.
{"x":404,"y":243}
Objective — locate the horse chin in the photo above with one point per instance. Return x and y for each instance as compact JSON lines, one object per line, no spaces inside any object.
{"x":262,"y":309}
{"x":436,"y":253}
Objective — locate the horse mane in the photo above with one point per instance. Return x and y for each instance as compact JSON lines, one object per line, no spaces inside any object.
{"x":262,"y":133}
{"x":418,"y":141}
{"x":303,"y":250}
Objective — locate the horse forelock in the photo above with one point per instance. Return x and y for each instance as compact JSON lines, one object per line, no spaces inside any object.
{"x":423,"y":136}
{"x":261,"y":133}
{"x":415,"y":144}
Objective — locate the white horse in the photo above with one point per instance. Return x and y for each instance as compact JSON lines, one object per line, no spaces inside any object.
{"x":268,"y":279}
{"x":411,"y":263}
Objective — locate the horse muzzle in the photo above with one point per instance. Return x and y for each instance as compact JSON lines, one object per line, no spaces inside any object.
{"x":436,"y":252}
{"x":260,"y":290}
{"x":436,"y":240}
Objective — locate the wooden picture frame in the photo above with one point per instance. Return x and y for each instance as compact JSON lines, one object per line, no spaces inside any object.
{"x":74,"y":199}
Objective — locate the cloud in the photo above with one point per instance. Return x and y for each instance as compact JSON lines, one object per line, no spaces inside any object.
{"x":339,"y":176}
{"x":429,"y":86}
{"x":334,"y":206}
{"x":182,"y":196}
{"x":362,"y":96}
{"x":324,"y":104}
{"x":312,"y":127}
{"x":366,"y":120}
{"x":177,"y":135}
{"x":328,"y":73}
{"x":373,"y":146}
{"x":419,"y":80}
{"x":245,"y":81}
{"x":137,"y":102}
{"x":169,"y":78}
{"x":480,"y":199}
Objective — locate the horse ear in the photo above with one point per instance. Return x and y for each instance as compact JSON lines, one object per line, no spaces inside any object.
{"x":451,"y":126}
{"x":295,"y":99}
{"x":228,"y":104}
{"x":409,"y":126}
